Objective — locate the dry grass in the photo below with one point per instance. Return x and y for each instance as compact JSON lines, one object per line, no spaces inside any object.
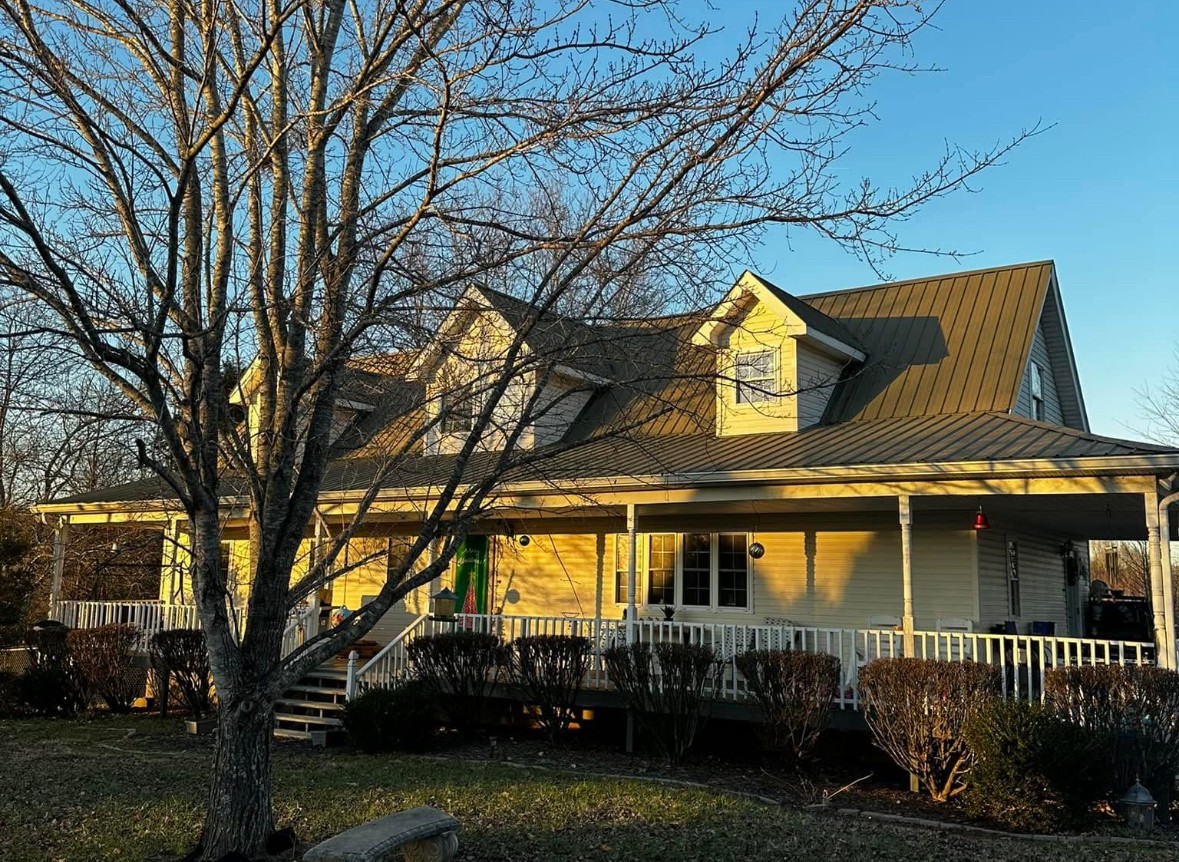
{"x":131,"y":789}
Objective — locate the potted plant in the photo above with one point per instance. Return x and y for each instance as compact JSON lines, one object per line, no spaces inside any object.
{"x":668,"y":613}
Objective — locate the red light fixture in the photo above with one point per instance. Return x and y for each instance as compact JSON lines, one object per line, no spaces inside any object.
{"x":980,"y":520}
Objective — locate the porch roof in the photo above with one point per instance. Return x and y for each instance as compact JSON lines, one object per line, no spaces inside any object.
{"x":986,"y":441}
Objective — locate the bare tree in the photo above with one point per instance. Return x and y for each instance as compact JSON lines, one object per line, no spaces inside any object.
{"x":279,"y":185}
{"x":64,"y":429}
{"x":1159,"y":403}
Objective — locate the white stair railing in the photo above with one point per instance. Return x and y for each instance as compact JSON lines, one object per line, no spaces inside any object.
{"x":388,"y":667}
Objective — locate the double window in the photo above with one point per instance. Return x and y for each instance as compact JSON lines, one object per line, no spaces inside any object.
{"x":690,"y":570}
{"x":755,"y":376}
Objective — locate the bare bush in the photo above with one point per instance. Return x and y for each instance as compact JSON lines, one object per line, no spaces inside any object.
{"x":549,"y":670}
{"x":664,"y":687}
{"x":104,"y":659}
{"x":463,"y":667}
{"x":182,"y":656}
{"x":794,"y":693}
{"x":917,"y":710}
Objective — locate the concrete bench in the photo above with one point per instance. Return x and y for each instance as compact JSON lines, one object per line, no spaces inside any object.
{"x":422,"y":834}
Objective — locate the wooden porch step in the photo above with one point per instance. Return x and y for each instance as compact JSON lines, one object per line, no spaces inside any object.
{"x":302,"y":688}
{"x":323,"y":706}
{"x":286,"y":719}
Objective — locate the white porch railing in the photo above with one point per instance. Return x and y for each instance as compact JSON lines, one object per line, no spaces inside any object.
{"x":146,"y":615}
{"x":1022,"y":660}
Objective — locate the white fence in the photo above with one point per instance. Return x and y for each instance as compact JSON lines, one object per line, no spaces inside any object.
{"x":1022,"y":660}
{"x":146,"y":615}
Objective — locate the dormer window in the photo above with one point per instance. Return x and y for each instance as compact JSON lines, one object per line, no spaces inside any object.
{"x":756,"y":377}
{"x":458,"y":413}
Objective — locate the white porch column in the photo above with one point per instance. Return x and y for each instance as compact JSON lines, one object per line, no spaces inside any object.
{"x":1158,"y":593}
{"x":61,"y":536}
{"x":1168,"y":586}
{"x":906,"y":519}
{"x":175,"y":591}
{"x":600,"y":586}
{"x":631,"y":580}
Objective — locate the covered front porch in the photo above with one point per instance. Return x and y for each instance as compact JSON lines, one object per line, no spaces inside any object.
{"x":858,"y":569}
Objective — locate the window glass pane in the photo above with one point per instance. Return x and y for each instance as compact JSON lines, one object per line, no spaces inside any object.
{"x":621,"y":567}
{"x":754,"y":376}
{"x":732,"y":571}
{"x":661,"y":570}
{"x":697,"y":569}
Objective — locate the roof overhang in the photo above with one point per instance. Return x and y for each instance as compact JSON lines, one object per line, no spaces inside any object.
{"x":945,"y":474}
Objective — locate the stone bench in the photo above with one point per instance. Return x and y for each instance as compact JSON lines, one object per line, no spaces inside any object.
{"x":422,"y":834}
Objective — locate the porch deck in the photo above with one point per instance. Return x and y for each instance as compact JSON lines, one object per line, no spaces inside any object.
{"x":1021,"y":659}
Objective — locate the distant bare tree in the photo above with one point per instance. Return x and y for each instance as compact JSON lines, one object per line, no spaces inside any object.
{"x":1122,"y":565}
{"x":279,"y":184}
{"x":1159,"y":404}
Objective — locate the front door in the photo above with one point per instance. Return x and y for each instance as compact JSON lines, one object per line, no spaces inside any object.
{"x":470,"y":579}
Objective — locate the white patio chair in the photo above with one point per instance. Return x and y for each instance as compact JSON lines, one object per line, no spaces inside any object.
{"x":884,"y":621}
{"x":957,"y":624}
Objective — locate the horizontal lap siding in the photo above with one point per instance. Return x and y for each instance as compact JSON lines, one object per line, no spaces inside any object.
{"x":817,"y":375}
{"x":1041,"y":579}
{"x":826,"y":578}
{"x":840,"y":579}
{"x":552,"y":576}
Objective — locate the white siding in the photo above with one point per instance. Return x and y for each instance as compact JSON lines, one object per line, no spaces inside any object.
{"x":1041,"y":579}
{"x":559,"y":404}
{"x":1042,"y":358}
{"x":817,"y":375}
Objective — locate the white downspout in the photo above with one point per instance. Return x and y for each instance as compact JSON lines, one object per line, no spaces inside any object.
{"x":631,"y":586}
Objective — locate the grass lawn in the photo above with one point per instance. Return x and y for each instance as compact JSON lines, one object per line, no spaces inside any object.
{"x":131,"y":789}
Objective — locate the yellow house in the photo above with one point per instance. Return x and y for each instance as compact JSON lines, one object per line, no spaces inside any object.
{"x":905,"y":468}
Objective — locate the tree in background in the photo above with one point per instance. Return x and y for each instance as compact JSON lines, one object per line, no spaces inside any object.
{"x":280,"y":185}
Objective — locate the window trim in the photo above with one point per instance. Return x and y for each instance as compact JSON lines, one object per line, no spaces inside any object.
{"x":765,"y":388}
{"x":642,"y":572}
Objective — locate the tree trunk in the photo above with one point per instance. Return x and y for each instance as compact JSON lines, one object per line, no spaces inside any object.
{"x":239,"y":815}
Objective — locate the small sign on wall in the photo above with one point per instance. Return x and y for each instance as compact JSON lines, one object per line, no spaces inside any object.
{"x":1013,"y":600}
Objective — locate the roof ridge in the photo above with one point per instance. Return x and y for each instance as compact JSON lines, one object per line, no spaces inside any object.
{"x":935,"y":277}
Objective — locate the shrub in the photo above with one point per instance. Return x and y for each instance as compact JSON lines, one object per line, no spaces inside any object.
{"x":103,"y":658}
{"x":793,"y":692}
{"x":52,"y":685}
{"x":917,"y":710}
{"x":549,"y":669}
{"x":182,"y":652}
{"x":46,"y":645}
{"x":10,"y":701}
{"x":51,"y":692}
{"x":664,"y":688}
{"x":463,"y":668}
{"x":389,"y":719}
{"x":1135,"y":710}
{"x":1034,"y":771}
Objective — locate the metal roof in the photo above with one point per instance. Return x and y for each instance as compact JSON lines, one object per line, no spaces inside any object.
{"x":912,"y":440}
{"x":957,"y":343}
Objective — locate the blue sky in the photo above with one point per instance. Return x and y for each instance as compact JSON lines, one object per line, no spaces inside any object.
{"x":1098,"y":193}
